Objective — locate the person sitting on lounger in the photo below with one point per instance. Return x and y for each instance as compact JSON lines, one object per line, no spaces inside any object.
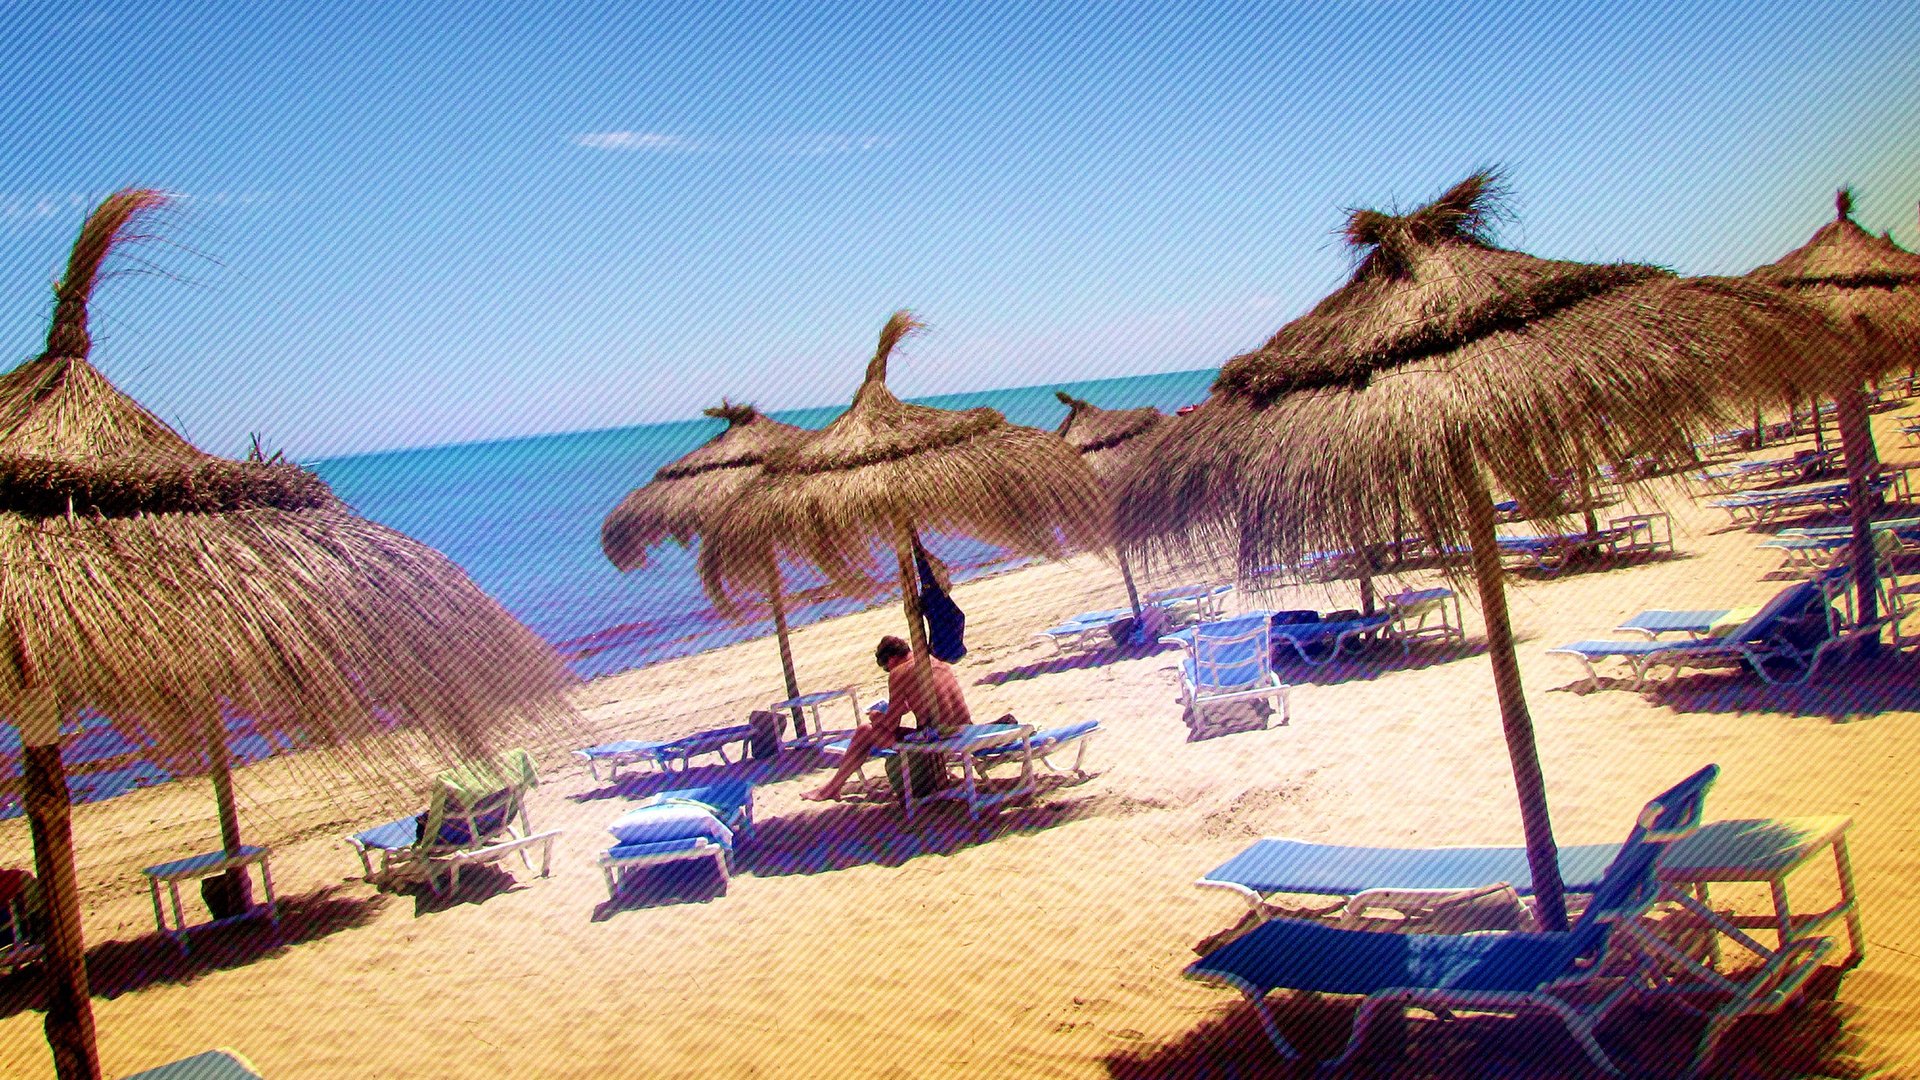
{"x":903,"y":697}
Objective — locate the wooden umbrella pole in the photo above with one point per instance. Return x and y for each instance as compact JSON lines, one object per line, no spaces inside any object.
{"x":1856,"y":440}
{"x":779,"y":605}
{"x":1133,"y":592}
{"x":1759,"y":427}
{"x":929,"y":711}
{"x":1585,"y":479}
{"x":1543,"y":858}
{"x":49,"y":808}
{"x":220,"y":771}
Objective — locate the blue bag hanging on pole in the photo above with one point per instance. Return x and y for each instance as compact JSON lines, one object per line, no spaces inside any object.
{"x":946,"y":623}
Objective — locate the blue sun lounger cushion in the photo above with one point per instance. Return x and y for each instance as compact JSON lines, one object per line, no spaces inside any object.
{"x":706,"y":822}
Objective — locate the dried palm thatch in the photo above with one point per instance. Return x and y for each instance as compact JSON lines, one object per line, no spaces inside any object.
{"x":1871,"y":287}
{"x":1869,"y":284}
{"x":158,"y":585}
{"x":1105,"y":438}
{"x":1345,"y":421}
{"x":684,"y":492}
{"x":1443,"y":364}
{"x":119,"y":535}
{"x":886,"y":468}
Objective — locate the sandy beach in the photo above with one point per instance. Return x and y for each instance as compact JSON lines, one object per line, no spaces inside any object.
{"x":1045,"y":941}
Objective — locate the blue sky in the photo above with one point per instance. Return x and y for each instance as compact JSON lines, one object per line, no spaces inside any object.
{"x":417,"y":224}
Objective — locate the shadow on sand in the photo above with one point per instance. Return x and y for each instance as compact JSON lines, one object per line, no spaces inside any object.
{"x":874,"y":831}
{"x":1374,"y":663}
{"x":639,"y":785}
{"x":1843,"y":692}
{"x":1076,"y":661}
{"x":121,"y":967}
{"x":1810,"y":1038}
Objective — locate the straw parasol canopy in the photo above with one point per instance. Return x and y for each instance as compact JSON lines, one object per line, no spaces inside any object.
{"x":1870,"y":286}
{"x":159,"y":585}
{"x":687,"y":492}
{"x":1444,"y":365}
{"x":1107,"y":440}
{"x":885,"y":471}
{"x":1867,"y":282}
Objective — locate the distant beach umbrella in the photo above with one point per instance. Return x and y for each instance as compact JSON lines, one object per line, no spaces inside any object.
{"x":158,"y":585}
{"x":1871,"y":287}
{"x":1106,"y":440}
{"x":887,"y":471}
{"x":687,"y":492}
{"x":1443,"y":365}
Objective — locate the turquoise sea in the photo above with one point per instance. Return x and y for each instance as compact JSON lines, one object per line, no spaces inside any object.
{"x":522,"y":516}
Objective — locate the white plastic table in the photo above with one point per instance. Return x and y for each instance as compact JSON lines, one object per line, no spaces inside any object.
{"x":196,"y":867}
{"x":1767,"y":850}
{"x":812,"y":703}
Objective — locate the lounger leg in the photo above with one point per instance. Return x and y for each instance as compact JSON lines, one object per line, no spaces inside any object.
{"x":1271,"y":1027}
{"x":1856,"y":936}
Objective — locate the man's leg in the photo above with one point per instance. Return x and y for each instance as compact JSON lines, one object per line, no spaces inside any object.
{"x":857,"y":748}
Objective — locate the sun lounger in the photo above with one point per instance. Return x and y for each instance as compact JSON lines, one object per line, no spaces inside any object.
{"x":1550,"y":553}
{"x":1318,"y":640}
{"x":1578,"y":976}
{"x":476,"y":814}
{"x":1205,"y":601}
{"x":1761,"y":507}
{"x":1044,"y":744}
{"x":707,"y":822}
{"x":1088,"y":627}
{"x":1407,"y":618}
{"x":220,"y":1064}
{"x":663,"y":753}
{"x":1405,"y":880}
{"x":1229,"y":661}
{"x":1798,"y":627}
{"x":975,"y":749}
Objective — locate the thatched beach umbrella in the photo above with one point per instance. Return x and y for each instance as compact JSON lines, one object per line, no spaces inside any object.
{"x":1446,"y":364}
{"x":885,"y":471}
{"x":1871,"y":287}
{"x":686,"y":493}
{"x":1106,"y":440}
{"x":158,"y":585}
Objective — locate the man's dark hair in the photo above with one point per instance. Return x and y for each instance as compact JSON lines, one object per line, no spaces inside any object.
{"x":890,"y":649}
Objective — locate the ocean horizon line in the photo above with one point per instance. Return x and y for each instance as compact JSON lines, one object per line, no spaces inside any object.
{"x":783,"y":413}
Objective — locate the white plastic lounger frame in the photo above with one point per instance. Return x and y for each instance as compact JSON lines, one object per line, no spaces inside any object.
{"x":1207,"y":687}
{"x":1729,"y":652}
{"x":429,"y":862}
{"x":1423,"y":615}
{"x":615,"y":868}
{"x":740,"y":823}
{"x":967,"y":749}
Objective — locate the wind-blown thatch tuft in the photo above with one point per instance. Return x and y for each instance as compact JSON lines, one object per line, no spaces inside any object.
{"x":1104,"y":437}
{"x":1339,"y":430}
{"x":684,"y":493}
{"x":885,"y":467}
{"x":1869,"y":284}
{"x":155,"y":583}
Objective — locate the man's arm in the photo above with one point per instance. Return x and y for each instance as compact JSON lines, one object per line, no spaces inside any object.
{"x":899,"y":698}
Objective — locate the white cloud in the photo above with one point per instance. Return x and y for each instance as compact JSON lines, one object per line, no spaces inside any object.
{"x":654,"y":141}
